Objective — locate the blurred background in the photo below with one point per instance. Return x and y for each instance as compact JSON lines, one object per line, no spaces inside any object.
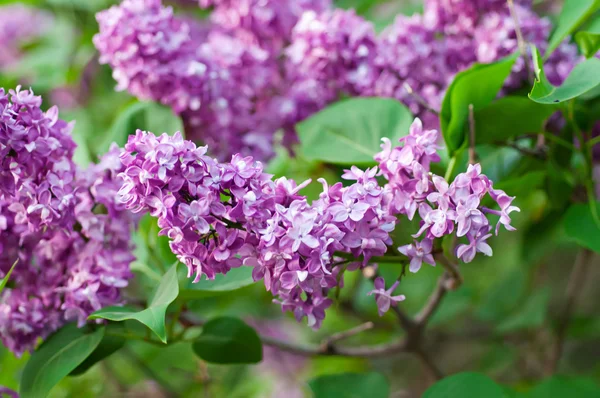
{"x":496,"y":323}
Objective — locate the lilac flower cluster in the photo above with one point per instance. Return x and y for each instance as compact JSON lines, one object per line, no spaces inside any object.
{"x":220,"y":84}
{"x":442,"y":207}
{"x":18,"y":25}
{"x":496,"y":37}
{"x":222,"y":215}
{"x":267,"y":22}
{"x":69,"y":238}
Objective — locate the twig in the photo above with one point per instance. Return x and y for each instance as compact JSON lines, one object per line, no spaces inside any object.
{"x":538,"y":153}
{"x":520,"y":40}
{"x":431,"y":367}
{"x":334,"y":338}
{"x":472,"y":154}
{"x":576,"y":280}
{"x":414,"y":340}
{"x":420,"y":99}
{"x":452,"y":270}
{"x":407,"y":323}
{"x":433,"y":302}
{"x":369,"y":351}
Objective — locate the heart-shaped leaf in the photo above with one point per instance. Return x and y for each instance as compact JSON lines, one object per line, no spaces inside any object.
{"x":351,"y":385}
{"x":465,"y":385}
{"x":227,"y":341}
{"x":509,"y":117}
{"x":583,"y":78}
{"x":574,"y":13}
{"x":349,"y":132}
{"x":58,"y":356}
{"x":478,"y":85}
{"x":154,"y":315}
{"x":110,"y":344}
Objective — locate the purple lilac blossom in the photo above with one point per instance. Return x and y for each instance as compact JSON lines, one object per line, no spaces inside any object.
{"x":443,"y":208}
{"x":495,"y":38}
{"x":336,"y":47}
{"x":18,"y":25}
{"x":461,"y":16}
{"x":220,"y":85}
{"x":7,"y":392}
{"x":261,"y":66}
{"x":69,"y":238}
{"x":266,"y":22}
{"x":410,"y":53}
{"x":384,"y":298}
{"x":219,"y":216}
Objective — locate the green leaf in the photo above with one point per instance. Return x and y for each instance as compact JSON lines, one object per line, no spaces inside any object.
{"x":153,"y":316}
{"x":563,"y":386}
{"x":478,"y":85}
{"x":228,"y":341}
{"x":583,"y":78}
{"x":235,"y":279}
{"x":530,"y":315}
{"x":574,"y":13}
{"x":580,"y":226}
{"x":4,"y":280}
{"x":351,"y":385}
{"x":465,"y":385}
{"x":349,"y":132}
{"x":588,"y":39}
{"x":58,"y":356}
{"x":147,"y":116}
{"x":110,"y":344}
{"x":509,"y":117}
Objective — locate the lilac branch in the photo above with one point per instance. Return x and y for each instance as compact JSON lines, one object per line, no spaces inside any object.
{"x":433,"y":302}
{"x":327,"y":349}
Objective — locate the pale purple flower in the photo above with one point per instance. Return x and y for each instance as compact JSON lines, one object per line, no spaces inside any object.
{"x":418,"y":252}
{"x":384,"y":297}
{"x":477,"y":243}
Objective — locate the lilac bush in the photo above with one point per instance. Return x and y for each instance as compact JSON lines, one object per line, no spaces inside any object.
{"x":353,"y":166}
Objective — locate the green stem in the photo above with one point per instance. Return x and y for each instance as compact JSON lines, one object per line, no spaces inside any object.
{"x":559,"y":140}
{"x":591,"y":143}
{"x":450,"y":169}
{"x":377,"y":259}
{"x":586,"y":151}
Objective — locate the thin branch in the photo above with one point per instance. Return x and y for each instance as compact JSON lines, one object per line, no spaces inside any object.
{"x":368,"y":351}
{"x":539,"y":153}
{"x":452,"y":270}
{"x":428,"y":364}
{"x":420,"y":99}
{"x":520,"y":40}
{"x":574,"y":286}
{"x":472,"y":154}
{"x":434,"y":301}
{"x":334,"y":338}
